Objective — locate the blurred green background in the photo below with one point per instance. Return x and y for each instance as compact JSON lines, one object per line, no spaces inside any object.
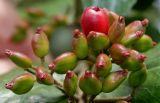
{"x":61,"y":35}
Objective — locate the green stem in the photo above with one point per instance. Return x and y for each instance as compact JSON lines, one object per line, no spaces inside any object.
{"x":91,"y":99}
{"x":30,"y":71}
{"x":43,"y":61}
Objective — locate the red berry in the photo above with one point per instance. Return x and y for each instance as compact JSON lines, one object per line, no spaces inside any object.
{"x":94,"y":19}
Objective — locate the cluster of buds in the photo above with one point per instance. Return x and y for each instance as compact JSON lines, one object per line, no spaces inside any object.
{"x":104,"y":40}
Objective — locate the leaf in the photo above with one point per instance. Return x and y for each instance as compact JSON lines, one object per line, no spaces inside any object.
{"x":39,"y":93}
{"x":153,"y":57}
{"x":122,"y":7}
{"x":149,"y":92}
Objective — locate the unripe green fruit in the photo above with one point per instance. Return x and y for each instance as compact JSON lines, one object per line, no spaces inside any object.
{"x":113,"y":80}
{"x":143,"y":44}
{"x":136,"y":26}
{"x":134,"y":61}
{"x":137,"y":78}
{"x":103,"y":65}
{"x":70,"y":83}
{"x":43,"y":77}
{"x":21,"y":84}
{"x":40,"y":43}
{"x":98,"y":41}
{"x":132,"y":38}
{"x":80,"y":45}
{"x":63,"y":63}
{"x":90,"y":84}
{"x":19,"y":59}
{"x":117,"y":30}
{"x":112,"y":17}
{"x":119,"y":53}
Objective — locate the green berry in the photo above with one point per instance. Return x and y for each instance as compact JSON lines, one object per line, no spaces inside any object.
{"x":134,"y":61}
{"x":63,"y":63}
{"x":136,"y":26}
{"x":119,"y":53}
{"x":98,"y":41}
{"x":21,"y":84}
{"x":19,"y":59}
{"x":137,"y":78}
{"x":103,"y":65}
{"x":90,"y":84}
{"x":80,"y":45}
{"x":117,"y":30}
{"x":70,"y":83}
{"x":40,"y":43}
{"x":113,"y":80}
{"x":143,"y":44}
{"x":132,"y":38}
{"x":43,"y":77}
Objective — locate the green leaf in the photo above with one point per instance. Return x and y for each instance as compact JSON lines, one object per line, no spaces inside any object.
{"x":149,"y":92}
{"x":122,"y":7}
{"x":153,"y":57}
{"x":39,"y":93}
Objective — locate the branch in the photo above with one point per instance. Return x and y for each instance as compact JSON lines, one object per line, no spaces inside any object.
{"x":30,"y":71}
{"x":59,"y":86}
{"x":112,"y":100}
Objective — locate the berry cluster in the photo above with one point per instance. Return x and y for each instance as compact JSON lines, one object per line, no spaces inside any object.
{"x":104,"y":40}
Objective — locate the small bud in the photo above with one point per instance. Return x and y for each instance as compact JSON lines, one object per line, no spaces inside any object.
{"x":103,"y":65}
{"x":80,"y":45}
{"x":43,"y":77}
{"x":60,"y":20}
{"x":137,"y":78}
{"x":117,"y":30}
{"x":130,"y":39}
{"x":63,"y":63}
{"x":136,"y":26}
{"x":21,"y":32}
{"x":134,"y":61}
{"x":21,"y":84}
{"x":113,"y":80}
{"x":35,"y":13}
{"x":19,"y":59}
{"x":119,"y":53}
{"x":143,"y":44}
{"x":70,"y":83}
{"x":40,"y":43}
{"x":98,"y":41}
{"x":90,"y":84}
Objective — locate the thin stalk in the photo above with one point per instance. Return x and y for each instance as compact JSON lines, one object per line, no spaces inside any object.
{"x":91,"y":99}
{"x":112,"y":100}
{"x":43,"y":61}
{"x":30,"y":71}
